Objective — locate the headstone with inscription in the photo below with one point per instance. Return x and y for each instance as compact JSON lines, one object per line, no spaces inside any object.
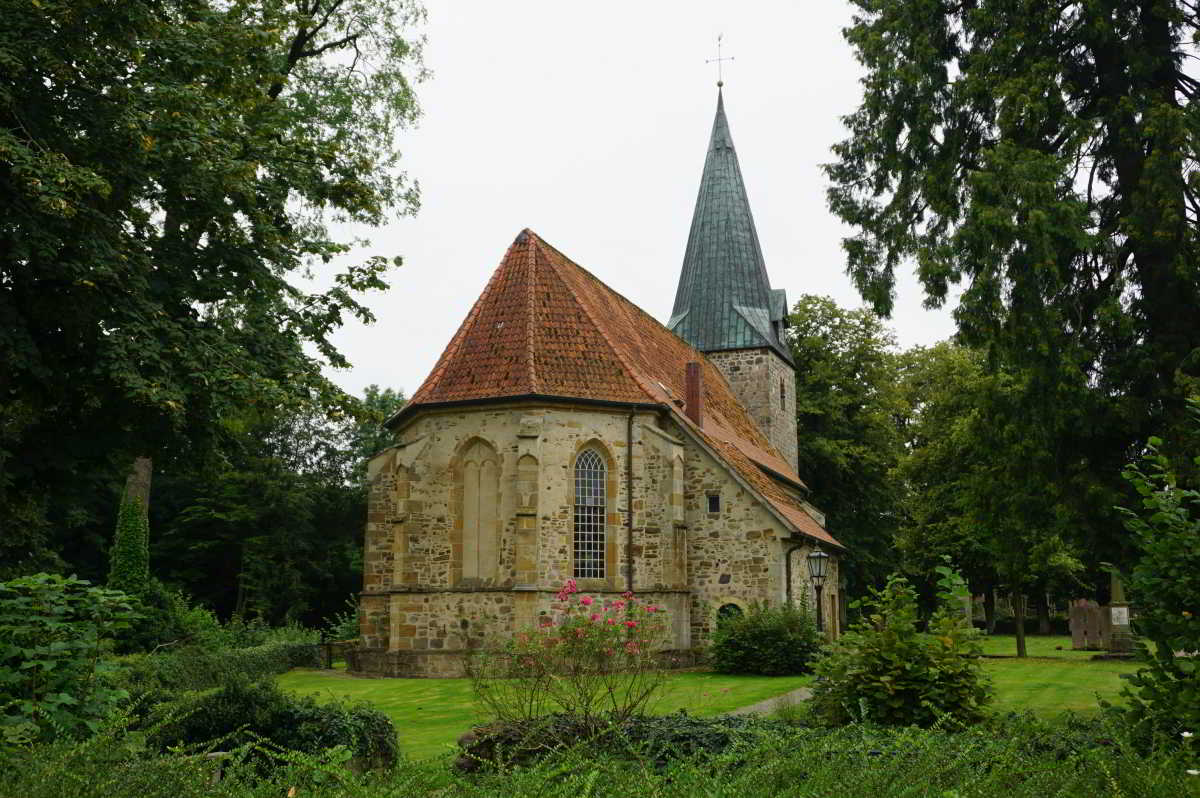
{"x":1120,"y":638}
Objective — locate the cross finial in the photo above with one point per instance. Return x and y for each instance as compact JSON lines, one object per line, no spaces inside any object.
{"x":718,"y":60}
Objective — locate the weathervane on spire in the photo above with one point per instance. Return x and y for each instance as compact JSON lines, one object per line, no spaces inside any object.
{"x":718,"y":60}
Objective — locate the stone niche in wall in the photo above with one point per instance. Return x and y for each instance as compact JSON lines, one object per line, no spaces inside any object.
{"x":475,"y":540}
{"x":525,"y":544}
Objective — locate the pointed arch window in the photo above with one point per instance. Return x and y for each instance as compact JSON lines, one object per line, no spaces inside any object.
{"x":591,"y":480}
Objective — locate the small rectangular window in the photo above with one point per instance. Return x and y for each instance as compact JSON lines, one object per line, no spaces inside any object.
{"x":714,"y":502}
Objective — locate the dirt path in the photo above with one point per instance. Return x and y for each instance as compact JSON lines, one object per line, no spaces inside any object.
{"x":772,"y":704}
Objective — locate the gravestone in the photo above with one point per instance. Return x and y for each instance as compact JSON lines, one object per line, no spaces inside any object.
{"x":1120,"y":639}
{"x":1088,"y":623}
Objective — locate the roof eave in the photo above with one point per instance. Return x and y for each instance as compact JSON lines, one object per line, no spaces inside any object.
{"x":409,"y":410}
{"x":763,"y":500}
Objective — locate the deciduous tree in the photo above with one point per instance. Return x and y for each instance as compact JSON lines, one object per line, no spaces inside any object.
{"x":167,"y":170}
{"x":846,"y":416}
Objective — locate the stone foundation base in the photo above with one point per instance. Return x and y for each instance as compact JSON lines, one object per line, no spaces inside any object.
{"x":406,"y":664}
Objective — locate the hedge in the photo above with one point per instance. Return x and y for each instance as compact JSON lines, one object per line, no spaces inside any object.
{"x":195,"y":668}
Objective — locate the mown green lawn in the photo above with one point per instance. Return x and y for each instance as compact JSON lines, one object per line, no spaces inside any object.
{"x":430,"y":714}
{"x":1052,"y":678}
{"x":1055,"y":647}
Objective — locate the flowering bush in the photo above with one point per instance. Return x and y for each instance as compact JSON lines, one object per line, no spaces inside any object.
{"x":593,"y":659}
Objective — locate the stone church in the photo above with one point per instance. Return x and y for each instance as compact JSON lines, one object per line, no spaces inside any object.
{"x":564,"y":433}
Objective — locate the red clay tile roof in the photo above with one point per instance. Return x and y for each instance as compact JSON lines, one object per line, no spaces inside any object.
{"x":544,"y":326}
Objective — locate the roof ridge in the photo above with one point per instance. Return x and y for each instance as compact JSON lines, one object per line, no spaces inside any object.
{"x":583,"y":304}
{"x":629,"y":303}
{"x":530,"y":314}
{"x":636,"y":373}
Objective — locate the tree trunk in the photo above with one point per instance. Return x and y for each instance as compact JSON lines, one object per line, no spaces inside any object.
{"x":1018,"y":602}
{"x":1042,"y":605}
{"x":989,"y":609}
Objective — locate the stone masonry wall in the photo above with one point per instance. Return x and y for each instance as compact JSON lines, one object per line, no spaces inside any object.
{"x":803,"y":592}
{"x":420,"y":613}
{"x":732,"y":554}
{"x":756,"y":376}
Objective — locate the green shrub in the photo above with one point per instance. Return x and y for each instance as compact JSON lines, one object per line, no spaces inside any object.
{"x":242,"y":633}
{"x":197,"y":625}
{"x":1164,"y":697}
{"x":886,"y":671}
{"x":158,"y":622}
{"x":242,"y":712}
{"x":660,"y":738}
{"x":988,"y":760}
{"x":343,"y":625}
{"x":769,"y":641}
{"x":198,"y":668}
{"x":52,"y":672}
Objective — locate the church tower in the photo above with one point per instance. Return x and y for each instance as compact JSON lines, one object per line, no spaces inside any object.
{"x":725,"y":306}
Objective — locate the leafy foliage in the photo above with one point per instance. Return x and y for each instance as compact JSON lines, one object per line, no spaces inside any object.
{"x":167,"y":174}
{"x":846,"y":416}
{"x":974,"y":477}
{"x":769,"y":641}
{"x":194,"y":668}
{"x":1042,"y":154}
{"x":886,"y":671}
{"x":597,"y":662}
{"x":53,"y":677}
{"x":661,"y":738}
{"x":129,"y":559}
{"x":273,"y":529}
{"x":1022,"y":759}
{"x":1042,"y":157}
{"x":1165,"y":696}
{"x":344,"y":625}
{"x":243,"y":712}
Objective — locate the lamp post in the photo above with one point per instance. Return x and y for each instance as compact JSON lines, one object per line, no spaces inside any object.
{"x":818,"y":562}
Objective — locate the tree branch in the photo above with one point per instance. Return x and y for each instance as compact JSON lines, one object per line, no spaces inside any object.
{"x":330,"y":45}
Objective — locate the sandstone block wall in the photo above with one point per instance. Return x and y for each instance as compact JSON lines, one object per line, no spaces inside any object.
{"x":431,"y":510}
{"x":757,"y":377}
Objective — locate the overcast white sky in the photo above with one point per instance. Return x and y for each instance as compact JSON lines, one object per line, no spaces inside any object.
{"x":588,"y":123}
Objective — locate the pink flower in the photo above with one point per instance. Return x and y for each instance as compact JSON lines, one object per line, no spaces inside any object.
{"x":651,"y":608}
{"x":628,"y":594}
{"x":631,"y":624}
{"x":617,"y":605}
{"x":567,"y":589}
{"x":631,"y":647}
{"x":595,"y":616}
{"x":586,"y":601}
{"x":610,"y":621}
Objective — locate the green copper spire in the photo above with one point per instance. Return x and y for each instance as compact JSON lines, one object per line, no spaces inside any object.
{"x":724,"y":299}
